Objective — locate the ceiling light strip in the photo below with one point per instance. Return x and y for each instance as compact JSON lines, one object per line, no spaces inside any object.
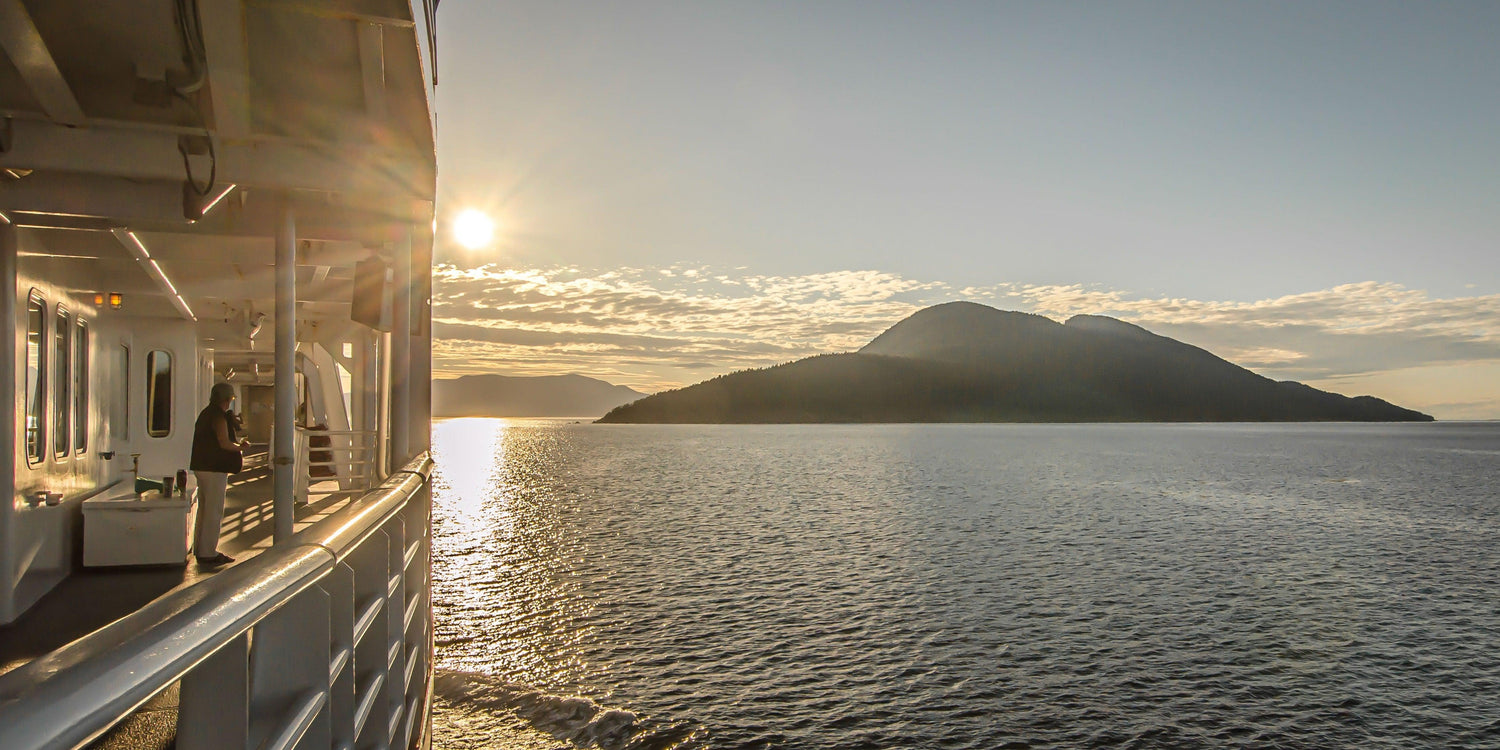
{"x":154,"y":270}
{"x":217,"y":198}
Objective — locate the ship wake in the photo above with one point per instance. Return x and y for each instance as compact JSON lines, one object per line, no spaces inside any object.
{"x":472,"y":710}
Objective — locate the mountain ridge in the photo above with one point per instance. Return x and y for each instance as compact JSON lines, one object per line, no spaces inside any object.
{"x":967,"y":362}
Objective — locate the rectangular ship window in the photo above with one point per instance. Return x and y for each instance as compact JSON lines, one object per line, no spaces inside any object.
{"x":36,"y":377}
{"x":62,"y":402}
{"x":119,"y":413}
{"x":81,"y":389}
{"x":159,"y":393}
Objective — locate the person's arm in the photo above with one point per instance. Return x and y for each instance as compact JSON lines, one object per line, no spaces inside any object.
{"x":239,"y":426}
{"x":221,"y":431}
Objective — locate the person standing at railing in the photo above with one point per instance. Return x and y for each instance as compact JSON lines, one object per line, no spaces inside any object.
{"x":216,"y":454}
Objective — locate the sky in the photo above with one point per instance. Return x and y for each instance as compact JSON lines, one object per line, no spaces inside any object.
{"x":1311,"y":190}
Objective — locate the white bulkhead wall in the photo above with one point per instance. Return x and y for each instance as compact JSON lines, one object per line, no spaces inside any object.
{"x":41,"y":544}
{"x":42,"y":541}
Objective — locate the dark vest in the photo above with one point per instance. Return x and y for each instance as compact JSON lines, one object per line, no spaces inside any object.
{"x":207,"y":455}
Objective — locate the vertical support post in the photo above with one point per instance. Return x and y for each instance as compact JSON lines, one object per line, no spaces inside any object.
{"x":358,"y":366}
{"x":383,"y":406}
{"x":359,"y":395}
{"x":284,"y":479}
{"x":9,"y":253}
{"x":369,"y":419}
{"x":420,"y":421}
{"x":401,"y":346}
{"x":419,"y":507}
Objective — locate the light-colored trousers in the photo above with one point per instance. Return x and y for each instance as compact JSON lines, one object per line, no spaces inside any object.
{"x":211,"y":486}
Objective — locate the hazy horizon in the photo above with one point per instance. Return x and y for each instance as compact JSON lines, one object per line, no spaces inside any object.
{"x":685,"y":190}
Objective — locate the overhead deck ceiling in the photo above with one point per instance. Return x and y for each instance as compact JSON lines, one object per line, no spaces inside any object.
{"x":322,"y":103}
{"x":295,"y":69}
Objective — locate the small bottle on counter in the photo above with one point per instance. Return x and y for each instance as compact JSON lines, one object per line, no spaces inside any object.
{"x":182,"y":482}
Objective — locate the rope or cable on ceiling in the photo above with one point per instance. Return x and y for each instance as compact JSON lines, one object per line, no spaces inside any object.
{"x":195,"y":56}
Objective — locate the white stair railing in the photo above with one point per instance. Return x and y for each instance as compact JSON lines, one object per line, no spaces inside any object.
{"x":349,"y":456}
{"x":324,"y":642}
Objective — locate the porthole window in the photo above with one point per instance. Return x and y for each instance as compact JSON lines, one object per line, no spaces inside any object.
{"x":81,"y":389}
{"x":158,"y":393}
{"x":36,"y":377}
{"x":62,"y":402}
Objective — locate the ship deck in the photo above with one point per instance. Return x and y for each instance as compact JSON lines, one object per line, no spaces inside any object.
{"x":91,"y":598}
{"x":94,"y":597}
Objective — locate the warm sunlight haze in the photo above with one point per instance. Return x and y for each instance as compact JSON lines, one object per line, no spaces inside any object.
{"x":1303,"y":189}
{"x":747,"y":375}
{"x":865,"y":375}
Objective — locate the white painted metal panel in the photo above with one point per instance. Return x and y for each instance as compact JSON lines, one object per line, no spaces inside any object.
{"x":121,"y":529}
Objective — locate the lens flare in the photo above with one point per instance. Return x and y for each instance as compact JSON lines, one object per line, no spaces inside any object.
{"x":473,"y":228}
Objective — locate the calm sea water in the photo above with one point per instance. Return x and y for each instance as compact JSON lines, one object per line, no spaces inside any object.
{"x":967,"y":586}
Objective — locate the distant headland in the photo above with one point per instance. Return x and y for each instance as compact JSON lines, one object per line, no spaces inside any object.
{"x":517,"y":396}
{"x":966,"y":362}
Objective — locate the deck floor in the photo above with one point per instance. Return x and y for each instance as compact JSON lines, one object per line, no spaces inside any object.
{"x":91,"y":598}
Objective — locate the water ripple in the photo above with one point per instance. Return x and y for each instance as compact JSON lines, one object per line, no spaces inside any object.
{"x":967,"y":586}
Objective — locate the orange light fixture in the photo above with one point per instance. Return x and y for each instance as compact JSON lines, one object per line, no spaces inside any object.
{"x":116,"y":300}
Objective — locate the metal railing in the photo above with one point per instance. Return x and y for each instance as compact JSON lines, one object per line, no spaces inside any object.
{"x":347,"y":456}
{"x":324,"y":642}
{"x":258,"y":456}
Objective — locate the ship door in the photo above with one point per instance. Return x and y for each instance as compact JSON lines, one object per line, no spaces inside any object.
{"x":164,"y":374}
{"x":117,"y":388}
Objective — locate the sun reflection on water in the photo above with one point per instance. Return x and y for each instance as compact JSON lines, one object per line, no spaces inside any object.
{"x":505,"y":589}
{"x":473,"y":452}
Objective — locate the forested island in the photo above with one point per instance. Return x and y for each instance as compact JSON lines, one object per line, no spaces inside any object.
{"x":966,"y":362}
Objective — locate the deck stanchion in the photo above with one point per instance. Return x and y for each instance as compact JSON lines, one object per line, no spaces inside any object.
{"x":286,"y":378}
{"x":401,"y":341}
{"x":420,"y":367}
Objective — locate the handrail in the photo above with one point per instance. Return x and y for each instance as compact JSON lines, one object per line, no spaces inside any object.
{"x":76,"y":693}
{"x":344,"y":530}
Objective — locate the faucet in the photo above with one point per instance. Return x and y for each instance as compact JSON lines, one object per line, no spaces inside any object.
{"x":135,"y":471}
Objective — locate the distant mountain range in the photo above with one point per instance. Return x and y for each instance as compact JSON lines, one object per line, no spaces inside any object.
{"x":966,"y":362}
{"x":543,"y":396}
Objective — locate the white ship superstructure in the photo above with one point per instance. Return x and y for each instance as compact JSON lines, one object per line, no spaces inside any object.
{"x":216,"y":191}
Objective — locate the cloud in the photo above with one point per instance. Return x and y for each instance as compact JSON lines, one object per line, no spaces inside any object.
{"x":673,"y":326}
{"x":665,"y":327}
{"x":1346,"y":330}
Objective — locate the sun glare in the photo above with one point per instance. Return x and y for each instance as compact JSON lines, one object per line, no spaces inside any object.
{"x":473,"y":228}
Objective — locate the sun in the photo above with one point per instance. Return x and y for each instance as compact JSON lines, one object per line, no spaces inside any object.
{"x":473,"y":228}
